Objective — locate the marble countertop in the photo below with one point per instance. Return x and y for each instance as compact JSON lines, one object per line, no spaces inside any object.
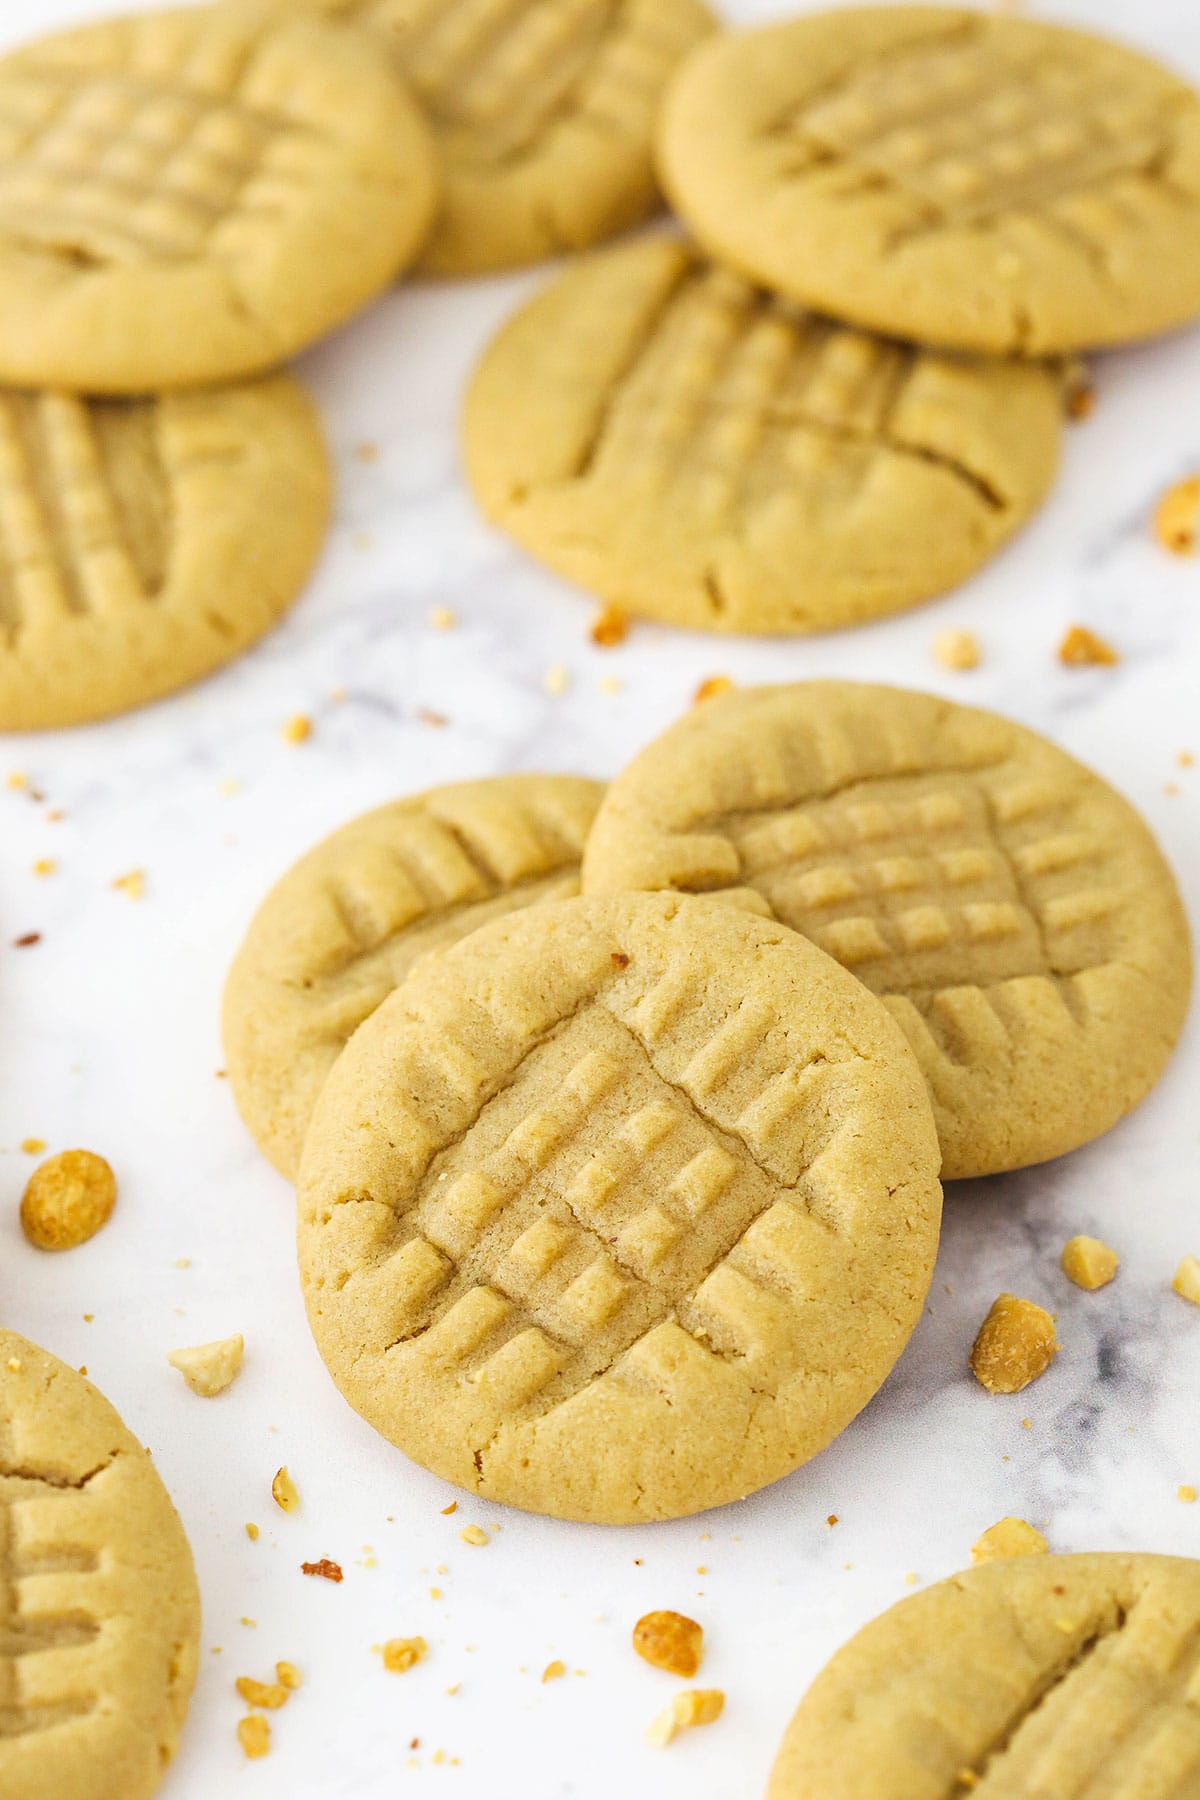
{"x":108,"y":1039}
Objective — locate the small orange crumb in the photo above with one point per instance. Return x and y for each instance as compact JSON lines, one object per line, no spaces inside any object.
{"x":297,"y":729}
{"x":1186,"y":1281}
{"x":556,"y":680}
{"x":426,"y":716}
{"x":1079,"y":396}
{"x":1015,"y":1345}
{"x":1082,"y":648}
{"x":17,"y":780}
{"x":1186,"y":1492}
{"x":452,"y":1508}
{"x":832,"y":1519}
{"x":695,"y":1706}
{"x":957,"y":650}
{"x":288,"y":1676}
{"x":553,"y":1671}
{"x":254,"y":1735}
{"x":610,"y":627}
{"x":284,"y":1491}
{"x":473,"y":1534}
{"x":45,"y":865}
{"x":1088,"y":1262}
{"x":670,"y":1641}
{"x":252,"y":1532}
{"x":1026,"y":1424}
{"x":620,"y":959}
{"x":1186,"y":760}
{"x":442,"y":619}
{"x":1177,"y":517}
{"x":435,"y":1593}
{"x":1008,"y":1537}
{"x":133,"y":884}
{"x":252,"y":1624}
{"x":327,"y":1570}
{"x":258,"y":1693}
{"x":402,"y":1654}
{"x":67,"y":1200}
{"x":710,"y":687}
{"x":33,"y":1146}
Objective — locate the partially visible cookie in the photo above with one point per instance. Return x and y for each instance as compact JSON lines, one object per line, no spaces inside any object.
{"x":964,"y":179}
{"x":99,"y":1612}
{"x":667,"y":435}
{"x":190,"y":196}
{"x":144,"y":543}
{"x":619,"y":1209}
{"x":343,"y":928}
{"x":1015,"y":913}
{"x":1039,"y":1678}
{"x":543,"y":112}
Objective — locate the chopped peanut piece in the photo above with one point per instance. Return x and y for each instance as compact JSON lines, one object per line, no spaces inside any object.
{"x":402,"y":1654}
{"x":957,"y":649}
{"x":133,"y":884}
{"x":1009,"y":1537}
{"x":258,"y":1693}
{"x":208,"y":1369}
{"x":670,"y":1641}
{"x":695,"y":1706}
{"x":325,"y":1568}
{"x":288,"y":1676}
{"x":610,"y":627}
{"x":297,"y":729}
{"x":1187,"y":1280}
{"x":284,"y":1491}
{"x":473,"y":1534}
{"x":1186,"y":1492}
{"x":254,"y":1735}
{"x":553,"y":1671}
{"x":711,"y":687}
{"x":1015,"y":1345}
{"x":252,"y":1533}
{"x":1082,"y":648}
{"x":1177,"y":517}
{"x":68,"y":1198}
{"x":1089,"y":1263}
{"x":33,"y":1146}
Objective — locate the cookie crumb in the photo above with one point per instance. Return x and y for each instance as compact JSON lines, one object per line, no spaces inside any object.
{"x":957,"y":650}
{"x":1088,"y":1262}
{"x":33,"y":1146}
{"x":427,"y":716}
{"x":1008,"y":1537}
{"x":284,"y":1491}
{"x":1177,"y":517}
{"x":556,"y":680}
{"x":609,"y":628}
{"x":473,"y":1534}
{"x":609,"y":684}
{"x":1081,"y":648}
{"x":45,"y":865}
{"x":442,"y":618}
{"x":1015,"y":1345}
{"x":910,"y":1580}
{"x":258,"y":1693}
{"x":1186,"y":1492}
{"x":27,"y":940}
{"x":670,"y":1641}
{"x":288,"y":1676}
{"x":17,"y":780}
{"x":401,"y":1654}
{"x":553,"y":1671}
{"x":297,"y":729}
{"x":324,"y":1567}
{"x":254,"y":1735}
{"x":452,"y":1508}
{"x":67,"y":1200}
{"x":208,"y":1369}
{"x":710,"y":687}
{"x":1186,"y":1281}
{"x":695,"y":1706}
{"x":252,"y":1532}
{"x":133,"y":884}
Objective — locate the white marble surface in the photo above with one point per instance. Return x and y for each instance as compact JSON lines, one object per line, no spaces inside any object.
{"x":108,"y":1038}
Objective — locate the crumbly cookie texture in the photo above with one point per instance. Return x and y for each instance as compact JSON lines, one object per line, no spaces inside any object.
{"x":1008,"y":1537}
{"x":67,"y":1200}
{"x":656,"y":428}
{"x":1013,"y":911}
{"x":341,"y":930}
{"x":1063,"y":1676}
{"x":543,"y":113}
{"x":1088,"y":1262}
{"x":970,"y":180}
{"x":97,"y":1591}
{"x":192,"y":195}
{"x":619,"y":1209}
{"x":1016,"y":1344}
{"x":150,"y":540}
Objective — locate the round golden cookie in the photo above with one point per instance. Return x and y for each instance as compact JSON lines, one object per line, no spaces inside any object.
{"x":543,"y":112}
{"x":691,"y":448}
{"x":189,"y":196}
{"x":99,"y":1612}
{"x":982,"y":182}
{"x":1014,"y":913}
{"x":619,"y":1209}
{"x":342,"y":928}
{"x":144,"y":543}
{"x":1036,"y":1678}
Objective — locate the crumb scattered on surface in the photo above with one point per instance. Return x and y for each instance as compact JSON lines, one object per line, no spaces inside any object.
{"x":695,"y":1706}
{"x":1079,"y":393}
{"x":910,"y":1580}
{"x":1015,"y":1345}
{"x":402,"y":1654}
{"x":442,"y":618}
{"x":269,"y":1695}
{"x":710,"y":687}
{"x":553,"y":1671}
{"x":33,"y":1146}
{"x":1177,"y":517}
{"x":1186,"y":1492}
{"x":452,"y":1508}
{"x":45,"y":865}
{"x":67,"y":1200}
{"x":670,"y":1641}
{"x":208,"y":1369}
{"x":1083,"y":648}
{"x":254,"y":1735}
{"x":284,"y":1491}
{"x":17,"y":780}
{"x":609,"y":628}
{"x":27,"y":940}
{"x":297,"y":729}
{"x":252,"y":1532}
{"x":288,"y":1676}
{"x":609,"y":684}
{"x":1186,"y":1280}
{"x":1008,"y":1537}
{"x":832,"y":1520}
{"x":324,"y":1567}
{"x":132,"y":884}
{"x":556,"y":680}
{"x":957,"y":650}
{"x":473,"y":1534}
{"x":427,"y":716}
{"x":367,"y":452}
{"x":1088,"y":1262}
